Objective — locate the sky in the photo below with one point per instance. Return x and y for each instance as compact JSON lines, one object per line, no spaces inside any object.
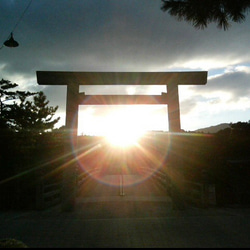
{"x":128,"y":35}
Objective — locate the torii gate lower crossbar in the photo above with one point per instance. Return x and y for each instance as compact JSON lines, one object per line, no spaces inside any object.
{"x":74,"y":79}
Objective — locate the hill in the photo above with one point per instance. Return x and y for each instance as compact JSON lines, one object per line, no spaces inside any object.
{"x":213,"y":129}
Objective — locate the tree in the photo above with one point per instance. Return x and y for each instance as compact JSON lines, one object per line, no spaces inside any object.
{"x":26,"y":146}
{"x":7,"y":97}
{"x":202,"y":12}
{"x":24,"y":118}
{"x":33,"y":116}
{"x":19,"y":113}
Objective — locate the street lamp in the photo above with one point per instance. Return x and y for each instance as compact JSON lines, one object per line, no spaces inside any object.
{"x":11,"y":43}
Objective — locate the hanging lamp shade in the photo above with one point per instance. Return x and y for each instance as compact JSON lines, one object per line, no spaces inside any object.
{"x":11,"y":42}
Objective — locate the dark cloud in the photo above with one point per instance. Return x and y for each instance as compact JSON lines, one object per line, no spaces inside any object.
{"x":236,"y":83}
{"x":108,"y":35}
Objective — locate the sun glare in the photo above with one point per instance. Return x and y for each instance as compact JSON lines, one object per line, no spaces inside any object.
{"x":122,"y":126}
{"x":123,"y":138}
{"x":124,"y":130}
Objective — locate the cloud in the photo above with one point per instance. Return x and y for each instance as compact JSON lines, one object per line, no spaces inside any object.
{"x":235,"y":80}
{"x":115,"y":36}
{"x":131,"y":35}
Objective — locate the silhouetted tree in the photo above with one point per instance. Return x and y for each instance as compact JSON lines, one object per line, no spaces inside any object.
{"x":24,"y":118}
{"x":19,"y":112}
{"x":231,"y":170}
{"x":33,"y":116}
{"x":7,"y":96}
{"x":27,"y":142}
{"x":202,"y":12}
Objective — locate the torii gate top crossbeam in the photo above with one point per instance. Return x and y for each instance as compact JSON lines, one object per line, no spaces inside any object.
{"x":121,"y":78}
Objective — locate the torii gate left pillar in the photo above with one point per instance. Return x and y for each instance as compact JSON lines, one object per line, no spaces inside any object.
{"x":74,"y":79}
{"x":69,"y":172}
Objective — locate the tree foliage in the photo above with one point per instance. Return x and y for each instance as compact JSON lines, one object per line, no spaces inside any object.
{"x":202,"y":12}
{"x":8,"y":95}
{"x":33,"y":116}
{"x":19,"y":112}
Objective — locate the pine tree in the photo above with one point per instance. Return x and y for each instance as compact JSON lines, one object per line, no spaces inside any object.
{"x":20,"y":112}
{"x":33,"y":116}
{"x":7,"y":97}
{"x":200,"y":13}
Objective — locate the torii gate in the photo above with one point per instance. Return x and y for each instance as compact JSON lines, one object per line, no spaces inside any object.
{"x":74,"y":79}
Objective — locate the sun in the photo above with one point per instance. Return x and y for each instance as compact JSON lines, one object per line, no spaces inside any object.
{"x":123,"y":138}
{"x":124,"y":130}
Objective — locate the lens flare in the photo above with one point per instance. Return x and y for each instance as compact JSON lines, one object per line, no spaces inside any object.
{"x":105,"y":162}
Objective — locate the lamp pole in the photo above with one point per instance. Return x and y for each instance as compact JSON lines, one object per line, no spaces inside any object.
{"x":122,"y":183}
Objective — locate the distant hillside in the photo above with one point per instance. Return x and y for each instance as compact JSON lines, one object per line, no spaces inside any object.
{"x":213,"y":129}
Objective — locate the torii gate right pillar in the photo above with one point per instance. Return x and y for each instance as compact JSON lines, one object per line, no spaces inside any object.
{"x":174,"y":162}
{"x":173,"y":108}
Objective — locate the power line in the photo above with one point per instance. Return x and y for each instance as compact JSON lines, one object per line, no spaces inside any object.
{"x":22,"y":16}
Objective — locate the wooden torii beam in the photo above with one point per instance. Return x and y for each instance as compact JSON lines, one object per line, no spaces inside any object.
{"x":74,"y":79}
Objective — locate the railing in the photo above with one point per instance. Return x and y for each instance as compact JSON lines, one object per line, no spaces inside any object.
{"x":86,"y":175}
{"x":197,"y":194}
{"x":162,"y":177}
{"x":200,"y":194}
{"x":48,"y":195}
